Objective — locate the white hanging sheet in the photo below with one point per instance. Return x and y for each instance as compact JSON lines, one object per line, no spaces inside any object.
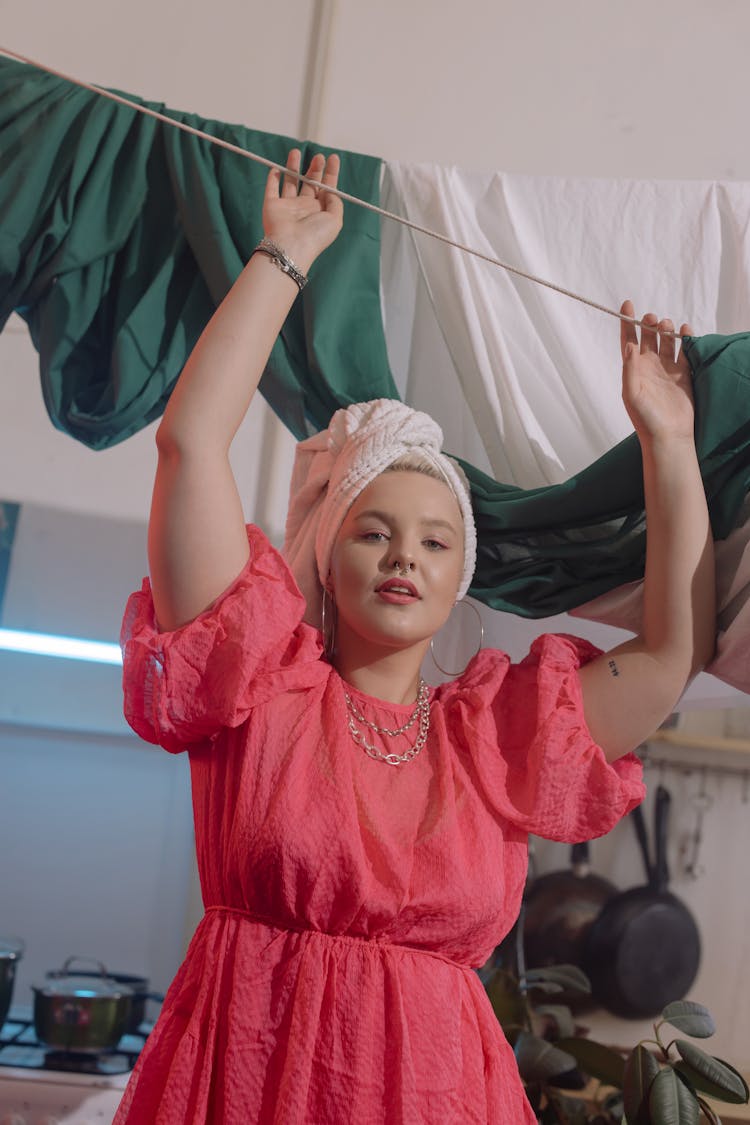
{"x":525,"y":381}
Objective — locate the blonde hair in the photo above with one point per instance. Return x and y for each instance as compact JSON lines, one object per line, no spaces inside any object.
{"x":416,"y":462}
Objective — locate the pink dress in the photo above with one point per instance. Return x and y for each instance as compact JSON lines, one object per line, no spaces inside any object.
{"x":348,"y":902}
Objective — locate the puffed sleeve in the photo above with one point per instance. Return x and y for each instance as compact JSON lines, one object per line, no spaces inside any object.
{"x":532,"y":753}
{"x":182,"y":687}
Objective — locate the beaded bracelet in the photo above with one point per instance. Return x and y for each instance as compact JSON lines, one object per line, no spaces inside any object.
{"x":281,"y":259}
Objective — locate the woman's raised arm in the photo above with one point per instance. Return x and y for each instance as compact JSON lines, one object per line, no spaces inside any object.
{"x":197,"y":543}
{"x":630,"y":690}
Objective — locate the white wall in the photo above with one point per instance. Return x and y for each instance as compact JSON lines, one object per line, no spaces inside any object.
{"x":653,"y":89}
{"x":650,"y":90}
{"x":96,"y":835}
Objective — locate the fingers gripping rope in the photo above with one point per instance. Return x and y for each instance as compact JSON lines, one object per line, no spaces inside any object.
{"x":341,"y":194}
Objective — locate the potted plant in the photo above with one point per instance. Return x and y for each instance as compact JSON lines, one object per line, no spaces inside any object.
{"x":661,"y":1081}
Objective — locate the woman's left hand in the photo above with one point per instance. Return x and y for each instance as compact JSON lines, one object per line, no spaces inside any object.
{"x":656,"y":385}
{"x":631,"y":689}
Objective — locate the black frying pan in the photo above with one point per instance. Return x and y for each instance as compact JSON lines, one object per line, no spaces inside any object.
{"x":643,"y":950}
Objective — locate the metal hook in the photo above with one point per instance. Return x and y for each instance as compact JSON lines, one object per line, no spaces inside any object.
{"x":701,"y":802}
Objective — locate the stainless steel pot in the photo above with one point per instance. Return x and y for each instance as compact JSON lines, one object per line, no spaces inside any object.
{"x":11,"y":950}
{"x":75,"y":1012}
{"x":139,"y":985}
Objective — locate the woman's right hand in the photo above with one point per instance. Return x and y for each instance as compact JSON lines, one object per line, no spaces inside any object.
{"x":197,"y":540}
{"x":300,"y":218}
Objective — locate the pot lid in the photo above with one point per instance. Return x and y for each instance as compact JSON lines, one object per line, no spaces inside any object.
{"x":83,"y":988}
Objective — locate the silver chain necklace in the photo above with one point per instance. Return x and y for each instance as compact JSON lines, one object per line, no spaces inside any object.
{"x":421,"y":712}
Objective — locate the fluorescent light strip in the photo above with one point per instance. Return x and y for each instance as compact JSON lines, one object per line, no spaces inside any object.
{"x":70,"y":648}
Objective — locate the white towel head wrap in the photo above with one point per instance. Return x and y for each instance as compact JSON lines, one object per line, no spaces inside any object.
{"x":334,"y":466}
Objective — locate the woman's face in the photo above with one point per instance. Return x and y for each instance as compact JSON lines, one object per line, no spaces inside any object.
{"x":402,"y":521}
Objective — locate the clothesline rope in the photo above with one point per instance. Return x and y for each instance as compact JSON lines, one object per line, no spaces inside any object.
{"x":322,"y":187}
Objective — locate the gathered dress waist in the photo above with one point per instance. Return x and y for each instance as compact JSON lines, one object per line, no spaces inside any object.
{"x":373,"y":943}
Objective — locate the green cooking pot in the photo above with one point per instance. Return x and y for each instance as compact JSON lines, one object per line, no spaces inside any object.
{"x":11,"y":950}
{"x":81,"y":1013}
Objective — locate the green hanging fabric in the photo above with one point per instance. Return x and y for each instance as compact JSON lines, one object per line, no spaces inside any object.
{"x":8,"y":522}
{"x":118,"y":237}
{"x":547,"y":550}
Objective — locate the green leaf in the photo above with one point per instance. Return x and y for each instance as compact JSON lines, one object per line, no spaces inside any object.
{"x":711,"y":1115}
{"x":597,"y":1061}
{"x":737,"y":1074}
{"x":567,"y":976}
{"x":718,"y":1074}
{"x":547,"y":986}
{"x":699,"y":1081}
{"x":561,"y":1015}
{"x":670,"y":1102}
{"x":506,"y":999}
{"x":538,"y":1060}
{"x":641,"y":1068}
{"x":691,"y":1018}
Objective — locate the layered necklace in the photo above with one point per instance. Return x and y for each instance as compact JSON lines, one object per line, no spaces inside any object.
{"x":421,"y":712}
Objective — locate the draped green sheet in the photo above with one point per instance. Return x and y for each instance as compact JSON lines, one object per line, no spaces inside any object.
{"x":561,"y":545}
{"x":118,"y":237}
{"x":8,"y":522}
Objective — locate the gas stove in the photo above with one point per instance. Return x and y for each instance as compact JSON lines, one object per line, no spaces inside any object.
{"x":43,"y":1086}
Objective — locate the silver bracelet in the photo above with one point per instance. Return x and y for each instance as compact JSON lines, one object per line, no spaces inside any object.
{"x":281,"y":259}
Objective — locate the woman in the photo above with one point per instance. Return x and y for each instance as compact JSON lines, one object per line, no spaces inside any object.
{"x":361,"y":837}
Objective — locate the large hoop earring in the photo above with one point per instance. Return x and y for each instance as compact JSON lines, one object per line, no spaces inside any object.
{"x":479,"y":648}
{"x":328,"y":643}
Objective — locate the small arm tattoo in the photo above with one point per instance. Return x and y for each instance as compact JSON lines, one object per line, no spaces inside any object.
{"x":613,"y":668}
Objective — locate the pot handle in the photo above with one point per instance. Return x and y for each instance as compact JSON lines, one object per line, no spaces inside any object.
{"x":640,"y":830}
{"x":65,"y":970}
{"x":661,"y":828}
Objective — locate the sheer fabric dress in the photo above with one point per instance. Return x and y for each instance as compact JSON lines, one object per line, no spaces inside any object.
{"x":348,"y":902}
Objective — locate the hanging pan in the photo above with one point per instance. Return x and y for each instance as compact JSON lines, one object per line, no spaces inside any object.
{"x":560,"y":909}
{"x":643,"y":950}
